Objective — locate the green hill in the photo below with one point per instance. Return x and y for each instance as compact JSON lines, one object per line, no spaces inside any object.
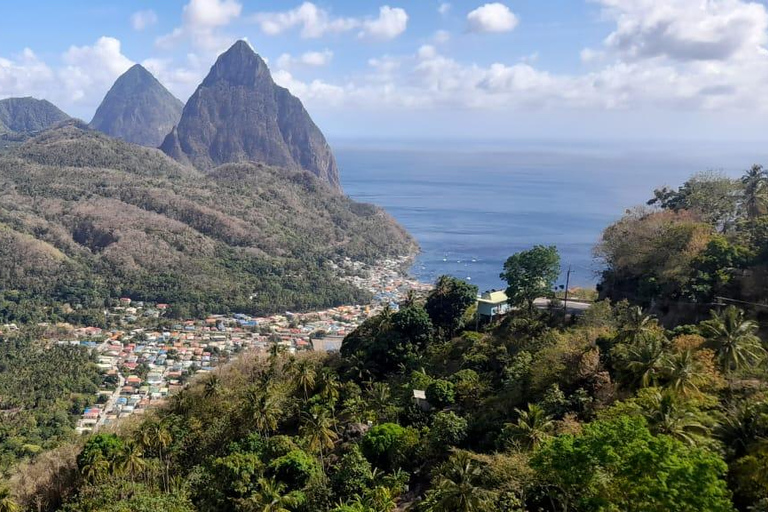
{"x":84,"y":217}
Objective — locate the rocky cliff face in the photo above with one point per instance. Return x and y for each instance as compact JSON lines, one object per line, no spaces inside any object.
{"x":28,"y":115}
{"x":239,"y":114}
{"x":138,"y":109}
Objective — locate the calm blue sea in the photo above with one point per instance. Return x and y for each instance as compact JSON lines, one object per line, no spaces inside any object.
{"x":470,"y":208}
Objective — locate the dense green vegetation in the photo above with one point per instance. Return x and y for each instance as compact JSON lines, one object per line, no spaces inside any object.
{"x":707,"y":239}
{"x":610,"y":411}
{"x":85,"y":219}
{"x":615,"y":410}
{"x":42,"y":389}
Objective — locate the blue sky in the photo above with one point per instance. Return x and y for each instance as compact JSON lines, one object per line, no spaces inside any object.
{"x":567,"y":69}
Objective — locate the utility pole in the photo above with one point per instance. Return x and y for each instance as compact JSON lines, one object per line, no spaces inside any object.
{"x":567,"y":284}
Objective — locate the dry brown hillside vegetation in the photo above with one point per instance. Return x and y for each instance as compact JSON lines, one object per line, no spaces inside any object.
{"x":85,"y":218}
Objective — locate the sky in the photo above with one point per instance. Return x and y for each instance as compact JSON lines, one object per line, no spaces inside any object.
{"x":694,"y":70}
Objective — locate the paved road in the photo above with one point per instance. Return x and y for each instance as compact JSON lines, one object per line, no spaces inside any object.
{"x":110,"y":404}
{"x":574,"y":307}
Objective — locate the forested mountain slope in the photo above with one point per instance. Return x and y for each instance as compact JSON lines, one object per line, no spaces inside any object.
{"x":84,"y":217}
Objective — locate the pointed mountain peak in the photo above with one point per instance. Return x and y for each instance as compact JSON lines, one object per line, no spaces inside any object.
{"x":239,"y":65}
{"x":239,"y":114}
{"x":138,"y":70}
{"x":138,"y":109}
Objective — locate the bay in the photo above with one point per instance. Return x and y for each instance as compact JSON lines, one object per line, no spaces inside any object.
{"x":471,"y":205}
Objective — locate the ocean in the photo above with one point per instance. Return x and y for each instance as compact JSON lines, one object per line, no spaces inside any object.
{"x":471,"y":208}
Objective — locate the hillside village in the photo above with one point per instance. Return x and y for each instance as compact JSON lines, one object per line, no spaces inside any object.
{"x":143,"y":364}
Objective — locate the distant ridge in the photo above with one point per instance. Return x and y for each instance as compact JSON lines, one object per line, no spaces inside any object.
{"x":138,"y":109}
{"x":239,"y":114}
{"x":85,"y":216}
{"x":28,"y":115}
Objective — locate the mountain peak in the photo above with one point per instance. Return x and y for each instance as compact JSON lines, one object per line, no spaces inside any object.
{"x":239,"y":65}
{"x":239,"y":114}
{"x":138,"y":109}
{"x":28,"y":115}
{"x":137,"y":70}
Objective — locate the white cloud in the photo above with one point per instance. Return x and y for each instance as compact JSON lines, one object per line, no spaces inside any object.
{"x":141,"y":20}
{"x":686,"y":30}
{"x":182,"y":78}
{"x":314,"y":21}
{"x":316,"y":90}
{"x":24,"y":75}
{"x":392,"y":22}
{"x":689,"y":56}
{"x":201,"y":20}
{"x":77,"y":85}
{"x":211,"y":13}
{"x":91,"y":70}
{"x":312,"y":59}
{"x":493,"y":17}
{"x":444,"y":8}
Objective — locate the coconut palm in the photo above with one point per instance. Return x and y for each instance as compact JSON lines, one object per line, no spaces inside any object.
{"x":358,"y":367}
{"x":378,"y":499}
{"x":266,"y":409}
{"x":457,"y":488}
{"x":666,"y":416}
{"x":734,"y":338}
{"x":531,"y":428}
{"x":318,"y":429}
{"x":7,"y":503}
{"x":130,"y":461}
{"x":96,"y":468}
{"x":741,"y":425}
{"x":755,"y":182}
{"x":306,"y":376}
{"x":636,"y":325}
{"x":380,"y":399}
{"x":645,"y":359}
{"x":684,"y":372}
{"x":271,"y":497}
{"x":329,"y":386}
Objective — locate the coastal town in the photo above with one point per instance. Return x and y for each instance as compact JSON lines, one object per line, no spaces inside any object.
{"x":146,"y":357}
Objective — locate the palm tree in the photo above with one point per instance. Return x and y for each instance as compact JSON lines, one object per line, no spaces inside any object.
{"x":684,"y":372}
{"x":644,"y":360}
{"x":666,"y":416}
{"x":734,"y":338}
{"x":212,"y":386}
{"x":96,"y":468}
{"x":741,"y":425}
{"x":130,"y":461}
{"x":457,"y":489}
{"x":329,"y":386}
{"x":7,"y":503}
{"x":636,"y":325}
{"x":271,"y":497}
{"x":531,"y":428}
{"x":380,"y":398}
{"x":358,"y":367}
{"x":378,"y":499}
{"x":755,"y":182}
{"x":306,"y":376}
{"x":318,"y":429}
{"x":155,"y":437}
{"x":266,"y":409}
